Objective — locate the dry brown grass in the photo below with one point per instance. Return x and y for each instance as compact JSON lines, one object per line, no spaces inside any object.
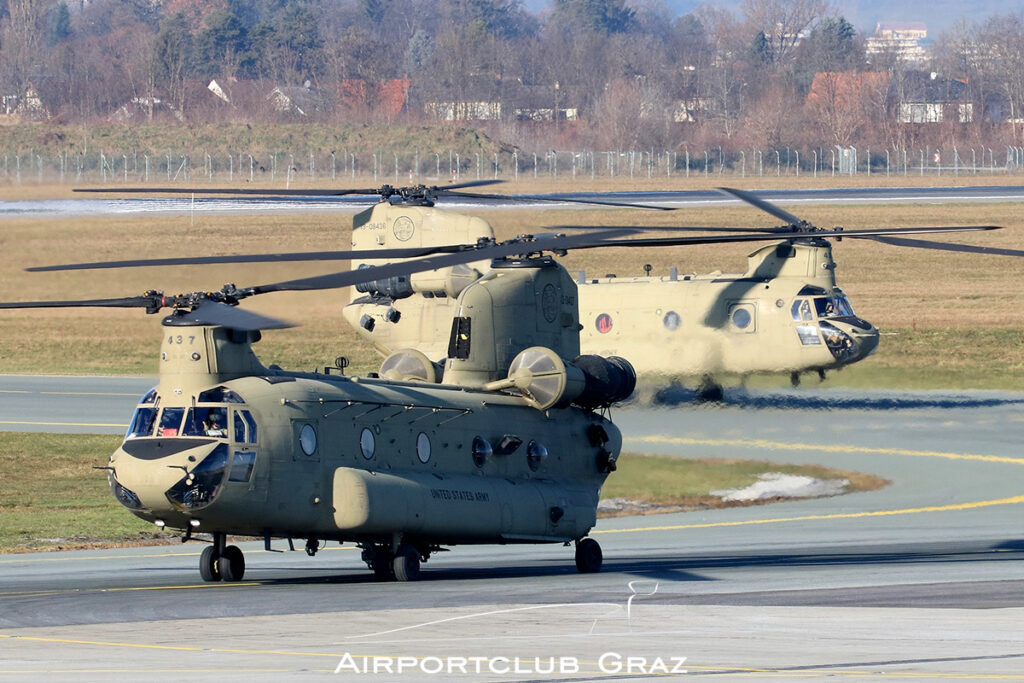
{"x":916,"y":293}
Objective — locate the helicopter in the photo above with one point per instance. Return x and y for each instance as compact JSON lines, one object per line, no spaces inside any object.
{"x":509,"y":440}
{"x":785,"y":315}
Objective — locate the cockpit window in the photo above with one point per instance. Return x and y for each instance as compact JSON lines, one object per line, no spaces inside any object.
{"x":832,"y":306}
{"x":220,"y":395}
{"x":170,"y":422}
{"x":802,"y":310}
{"x":150,"y":396}
{"x":206,"y":422}
{"x":239,"y":428}
{"x":249,"y":420}
{"x":142,"y":423}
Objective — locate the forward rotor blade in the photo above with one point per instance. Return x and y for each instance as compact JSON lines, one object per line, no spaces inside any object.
{"x":353,"y":277}
{"x":124,"y":302}
{"x":404,"y":252}
{"x":229,"y":191}
{"x":946,"y":246}
{"x":764,"y":205}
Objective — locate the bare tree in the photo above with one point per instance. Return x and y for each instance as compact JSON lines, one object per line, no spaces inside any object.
{"x":782,"y":23}
{"x":841,"y":103}
{"x":21,"y":39}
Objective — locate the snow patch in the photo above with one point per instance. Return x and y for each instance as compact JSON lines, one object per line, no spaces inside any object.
{"x":779,"y":485}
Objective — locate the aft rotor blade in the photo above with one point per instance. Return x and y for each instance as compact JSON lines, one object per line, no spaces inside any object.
{"x":350,"y":255}
{"x":722,"y":239}
{"x":764,"y":205}
{"x":681,"y":228}
{"x":946,"y":246}
{"x":289,"y":192}
{"x":353,"y":277}
{"x":547,"y":198}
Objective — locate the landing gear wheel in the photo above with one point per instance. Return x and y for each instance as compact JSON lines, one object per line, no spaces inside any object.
{"x":380,"y":562}
{"x":208,"y":564}
{"x":406,"y":564}
{"x":231,"y":564}
{"x":588,"y":556}
{"x":709,"y":390}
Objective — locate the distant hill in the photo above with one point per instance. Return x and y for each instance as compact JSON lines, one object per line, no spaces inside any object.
{"x":938,"y":15}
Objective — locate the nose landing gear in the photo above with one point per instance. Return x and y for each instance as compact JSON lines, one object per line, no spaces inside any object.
{"x":220,"y":562}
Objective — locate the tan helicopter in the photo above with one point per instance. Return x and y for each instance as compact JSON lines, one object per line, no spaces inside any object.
{"x":785,"y":315}
{"x":502,"y":444}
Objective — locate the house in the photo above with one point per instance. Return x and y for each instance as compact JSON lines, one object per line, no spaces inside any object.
{"x":923,"y":97}
{"x":846,"y":88}
{"x":303,"y":100}
{"x":388,"y":98}
{"x":541,"y":103}
{"x":28,"y":105}
{"x":494,"y":100}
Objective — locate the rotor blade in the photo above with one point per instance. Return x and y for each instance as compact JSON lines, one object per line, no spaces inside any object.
{"x":354,"y":277}
{"x":764,"y":205}
{"x":386,"y":189}
{"x":946,"y":246}
{"x":722,"y":239}
{"x":679,"y":228}
{"x":468,"y":183}
{"x":404,"y":252}
{"x":548,"y":198}
{"x":124,"y":302}
{"x":216,"y":313}
{"x":229,"y":190}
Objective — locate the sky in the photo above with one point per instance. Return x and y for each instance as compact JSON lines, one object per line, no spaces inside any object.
{"x":938,"y":15}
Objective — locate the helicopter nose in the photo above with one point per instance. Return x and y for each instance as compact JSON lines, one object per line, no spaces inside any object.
{"x":866,"y":341}
{"x":850,"y":339}
{"x":160,"y":475}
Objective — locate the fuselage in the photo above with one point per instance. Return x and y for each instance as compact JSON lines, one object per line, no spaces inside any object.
{"x":228,"y":446}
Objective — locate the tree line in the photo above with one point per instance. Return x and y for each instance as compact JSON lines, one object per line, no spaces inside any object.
{"x":772,"y":73}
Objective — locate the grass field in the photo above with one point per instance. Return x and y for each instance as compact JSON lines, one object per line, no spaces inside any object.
{"x":948,"y":320}
{"x":53,"y":499}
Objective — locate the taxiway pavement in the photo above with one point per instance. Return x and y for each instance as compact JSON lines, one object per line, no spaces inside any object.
{"x":921,"y":579}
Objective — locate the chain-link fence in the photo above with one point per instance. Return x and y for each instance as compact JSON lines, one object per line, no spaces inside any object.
{"x":418,"y":166}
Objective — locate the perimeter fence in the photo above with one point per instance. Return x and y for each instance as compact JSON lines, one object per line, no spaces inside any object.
{"x":422,"y":166}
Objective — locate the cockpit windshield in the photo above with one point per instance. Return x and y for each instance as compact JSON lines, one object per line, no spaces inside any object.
{"x":218,"y":421}
{"x":823,"y":307}
{"x":206,"y":422}
{"x":832,"y":306}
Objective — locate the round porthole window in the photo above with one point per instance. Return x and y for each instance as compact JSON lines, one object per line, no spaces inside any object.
{"x":307,"y":439}
{"x":671,"y":321}
{"x":367,"y":443}
{"x":535,"y":454}
{"x":423,"y":447}
{"x":482,"y":451}
{"x":741,"y":318}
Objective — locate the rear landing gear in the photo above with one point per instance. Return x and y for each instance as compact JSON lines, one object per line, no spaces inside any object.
{"x":220,"y":562}
{"x":406,"y":564}
{"x":709,"y":390}
{"x":401,"y":565}
{"x":588,"y":556}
